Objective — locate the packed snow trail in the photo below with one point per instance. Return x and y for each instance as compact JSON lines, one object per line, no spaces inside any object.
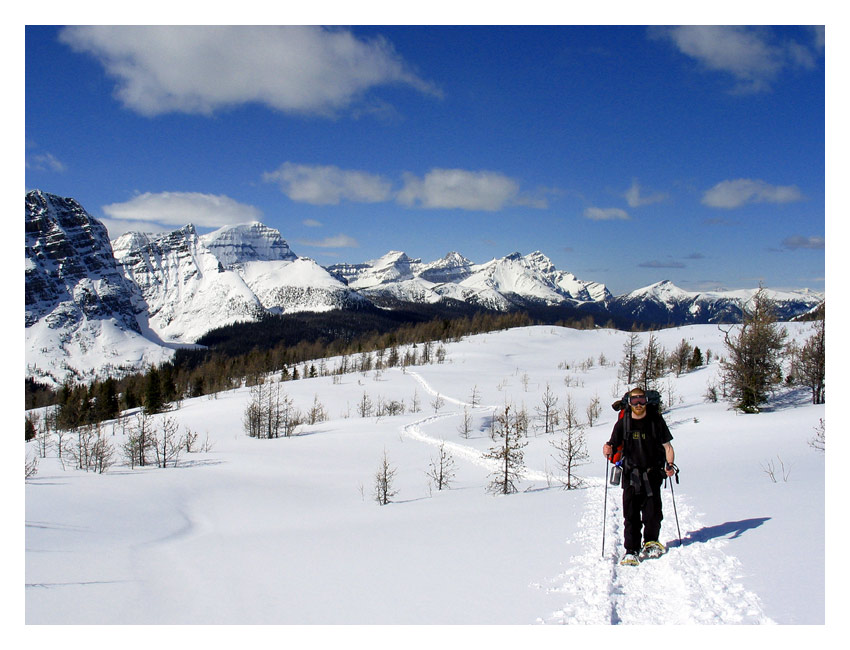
{"x":694,"y":583}
{"x":470,"y":454}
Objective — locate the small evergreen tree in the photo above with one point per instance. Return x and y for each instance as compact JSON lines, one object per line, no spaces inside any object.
{"x":811,"y":367}
{"x":753,"y":363}
{"x":154,"y":402}
{"x":696,"y":359}
{"x":106,"y":401}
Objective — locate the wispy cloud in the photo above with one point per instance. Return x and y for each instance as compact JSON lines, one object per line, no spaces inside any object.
{"x":154,"y":212}
{"x":796,"y":242}
{"x":754,"y":56}
{"x":44,"y":162}
{"x":328,"y":184}
{"x":605,"y":214}
{"x":735,"y":193}
{"x":202,"y":69}
{"x":636,"y":200}
{"x":338,"y":241}
{"x":657,"y":264}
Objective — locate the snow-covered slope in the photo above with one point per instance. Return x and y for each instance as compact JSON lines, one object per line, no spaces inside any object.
{"x":286,"y":531}
{"x":286,"y":287}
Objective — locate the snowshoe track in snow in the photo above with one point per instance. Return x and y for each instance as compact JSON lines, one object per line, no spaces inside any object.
{"x":695,"y":583}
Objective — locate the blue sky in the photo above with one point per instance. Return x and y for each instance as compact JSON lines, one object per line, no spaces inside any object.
{"x":628,"y":155}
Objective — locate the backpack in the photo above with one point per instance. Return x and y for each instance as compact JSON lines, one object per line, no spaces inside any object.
{"x":653,"y":408}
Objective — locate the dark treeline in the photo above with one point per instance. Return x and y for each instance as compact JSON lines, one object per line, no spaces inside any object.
{"x":275,"y":344}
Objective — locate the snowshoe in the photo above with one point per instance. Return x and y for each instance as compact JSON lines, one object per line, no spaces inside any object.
{"x":630,"y":559}
{"x":652,"y":550}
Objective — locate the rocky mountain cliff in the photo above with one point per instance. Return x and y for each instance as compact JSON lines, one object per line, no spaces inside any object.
{"x":80,"y":314}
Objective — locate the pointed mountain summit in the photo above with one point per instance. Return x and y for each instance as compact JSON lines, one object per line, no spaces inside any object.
{"x":454,"y":267}
{"x":250,"y":242}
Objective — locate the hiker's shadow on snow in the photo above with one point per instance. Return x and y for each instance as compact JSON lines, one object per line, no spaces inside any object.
{"x":729,"y":530}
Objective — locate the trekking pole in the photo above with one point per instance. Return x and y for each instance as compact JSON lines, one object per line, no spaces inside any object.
{"x":673,"y":496}
{"x":605,"y":503}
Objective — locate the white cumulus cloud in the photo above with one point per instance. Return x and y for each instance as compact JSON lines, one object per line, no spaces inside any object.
{"x":460,"y":189}
{"x":201,"y":69}
{"x":754,"y":56}
{"x":735,"y":193}
{"x":153,"y":212}
{"x":328,"y":184}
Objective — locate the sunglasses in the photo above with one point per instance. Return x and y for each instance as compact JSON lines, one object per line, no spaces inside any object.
{"x":637,"y":400}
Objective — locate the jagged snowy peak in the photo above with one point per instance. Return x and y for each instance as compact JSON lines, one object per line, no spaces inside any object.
{"x":185,"y":291}
{"x":454,"y":267}
{"x":194,"y":283}
{"x":395,"y":266}
{"x":532,"y":278}
{"x":514,"y":275}
{"x":70,"y":273}
{"x":243,"y":243}
{"x":664,"y":292}
{"x":566,"y":282}
{"x":499,"y":284}
{"x":80,"y":315}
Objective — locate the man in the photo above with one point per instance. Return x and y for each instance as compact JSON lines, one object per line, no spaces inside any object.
{"x":647,"y":456}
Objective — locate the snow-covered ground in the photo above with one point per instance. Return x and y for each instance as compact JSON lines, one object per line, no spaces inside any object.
{"x":286,"y":531}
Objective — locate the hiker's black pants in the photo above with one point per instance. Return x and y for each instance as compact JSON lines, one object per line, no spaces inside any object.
{"x":641,"y":509}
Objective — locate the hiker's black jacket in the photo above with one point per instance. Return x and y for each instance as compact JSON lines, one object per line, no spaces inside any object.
{"x":643,"y":441}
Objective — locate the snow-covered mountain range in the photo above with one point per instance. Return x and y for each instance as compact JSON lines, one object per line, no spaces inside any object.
{"x":95,"y":307}
{"x":500,"y":284}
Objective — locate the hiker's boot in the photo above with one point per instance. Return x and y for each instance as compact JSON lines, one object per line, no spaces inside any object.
{"x":653,"y":550}
{"x":630,"y":559}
